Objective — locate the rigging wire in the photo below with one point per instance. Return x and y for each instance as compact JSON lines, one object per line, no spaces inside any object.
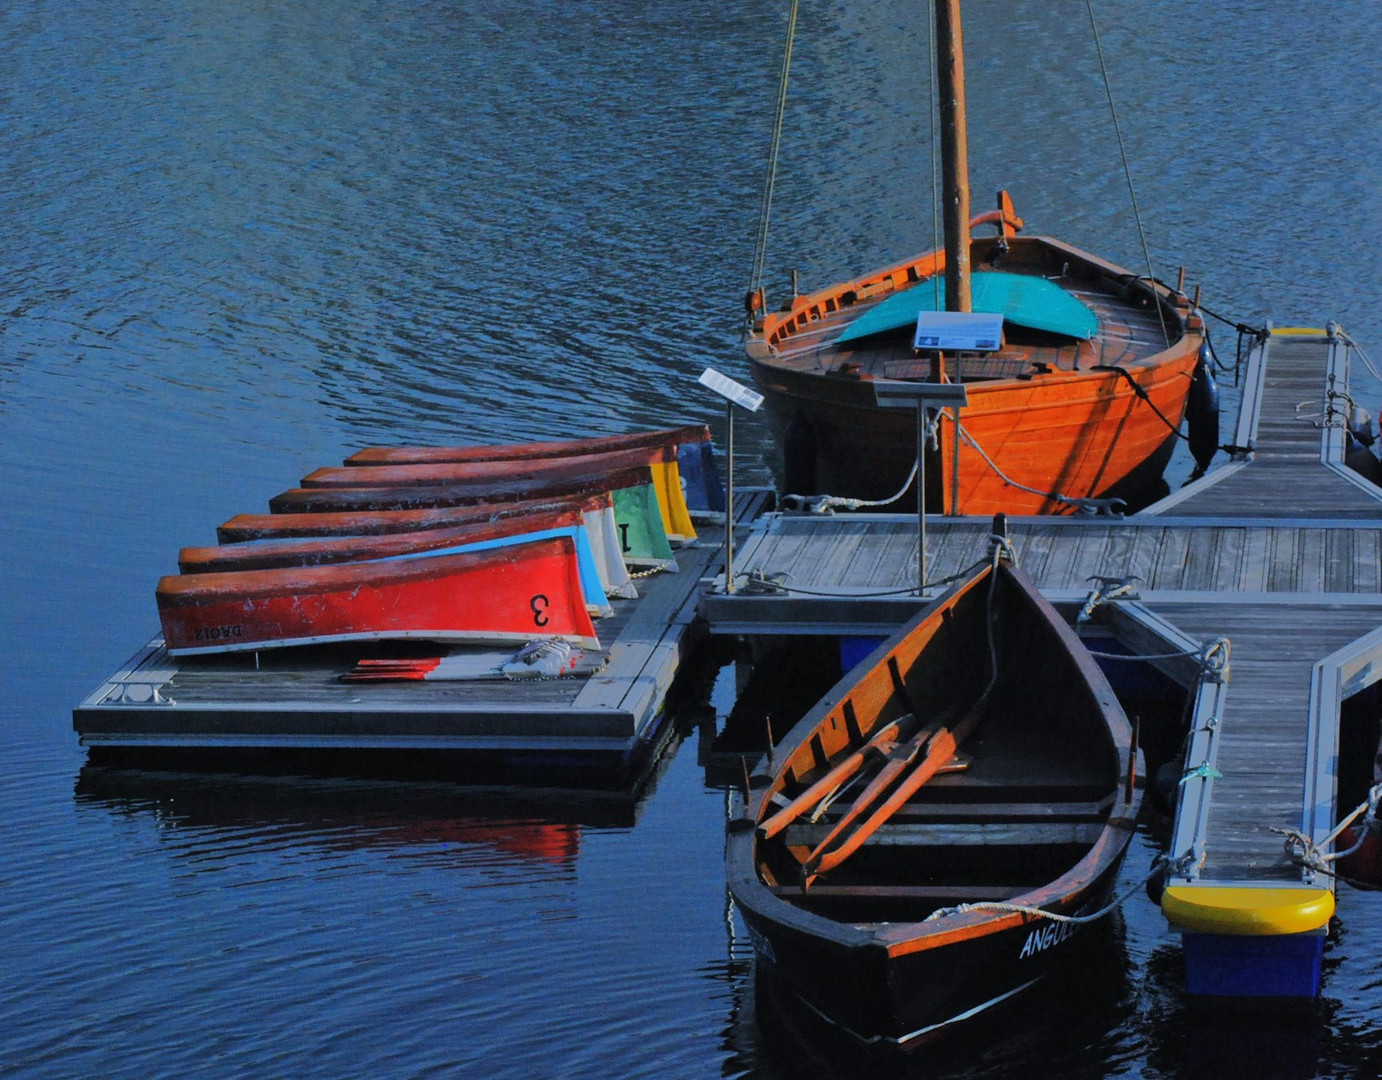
{"x":933,"y":138}
{"x":1127,"y":171}
{"x":766,"y":204}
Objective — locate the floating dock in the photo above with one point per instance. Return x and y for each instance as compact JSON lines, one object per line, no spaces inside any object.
{"x":1258,"y":587}
{"x":292,"y":705}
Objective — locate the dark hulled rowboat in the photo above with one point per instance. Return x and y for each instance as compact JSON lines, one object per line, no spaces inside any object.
{"x":979,"y":755}
{"x":470,"y":493}
{"x":505,"y":595}
{"x":661,"y":462}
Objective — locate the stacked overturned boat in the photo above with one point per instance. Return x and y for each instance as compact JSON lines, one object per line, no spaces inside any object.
{"x":491,"y":545}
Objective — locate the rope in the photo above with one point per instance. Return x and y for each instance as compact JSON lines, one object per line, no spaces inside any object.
{"x":757,"y":583}
{"x":828,"y":504}
{"x":1143,"y":395}
{"x":1042,"y":913}
{"x":1305,"y":852}
{"x":765,"y":206}
{"x":1127,"y":172}
{"x":1096,"y":505}
{"x":1213,"y":656}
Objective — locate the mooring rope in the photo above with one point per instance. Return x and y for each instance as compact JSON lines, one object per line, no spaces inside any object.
{"x":828,"y":504}
{"x":1305,"y":852}
{"x":1027,"y":909}
{"x":756,"y":582}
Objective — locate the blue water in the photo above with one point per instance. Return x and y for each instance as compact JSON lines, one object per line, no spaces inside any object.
{"x":240,"y":241}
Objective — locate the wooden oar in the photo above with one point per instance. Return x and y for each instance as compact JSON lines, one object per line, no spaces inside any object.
{"x":939,"y":750}
{"x":880,"y":742}
{"x":899,"y":758}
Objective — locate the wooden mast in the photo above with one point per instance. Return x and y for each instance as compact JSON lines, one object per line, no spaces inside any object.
{"x":954,"y":154}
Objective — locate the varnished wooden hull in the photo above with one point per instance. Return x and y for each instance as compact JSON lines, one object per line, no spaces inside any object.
{"x":436,"y":455}
{"x":1074,"y":428}
{"x":506,"y":595}
{"x":244,"y":528}
{"x":461,"y":493}
{"x":1036,"y":813}
{"x":321,"y":551}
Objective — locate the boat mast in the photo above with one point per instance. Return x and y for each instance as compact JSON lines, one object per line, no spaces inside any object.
{"x":950,"y":63}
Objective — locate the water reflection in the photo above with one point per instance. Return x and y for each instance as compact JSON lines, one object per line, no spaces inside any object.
{"x":444,"y":825}
{"x":1078,"y":1022}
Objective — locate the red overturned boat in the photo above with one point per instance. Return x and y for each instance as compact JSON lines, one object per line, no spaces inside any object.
{"x":501,"y":596}
{"x":910,"y":855}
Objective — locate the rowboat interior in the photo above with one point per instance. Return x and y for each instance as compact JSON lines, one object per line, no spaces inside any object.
{"x":1016,"y":806}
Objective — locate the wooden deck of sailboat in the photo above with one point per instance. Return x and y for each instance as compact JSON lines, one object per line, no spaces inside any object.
{"x":1280,"y":552}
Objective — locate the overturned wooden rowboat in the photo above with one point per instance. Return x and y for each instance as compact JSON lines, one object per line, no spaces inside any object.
{"x":700,"y":481}
{"x":243,"y":528}
{"x":435,"y":455}
{"x":593,"y":556}
{"x":644,"y":502}
{"x":596,"y":517}
{"x":904,"y":859}
{"x":660,"y":460}
{"x":501,"y":595}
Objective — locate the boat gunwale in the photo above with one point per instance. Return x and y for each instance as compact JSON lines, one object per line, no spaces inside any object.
{"x":779,"y":327}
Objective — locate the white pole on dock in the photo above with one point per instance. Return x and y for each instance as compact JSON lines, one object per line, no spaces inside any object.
{"x":893,"y":393}
{"x":734,"y":394}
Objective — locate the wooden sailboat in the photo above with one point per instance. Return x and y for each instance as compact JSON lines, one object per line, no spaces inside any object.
{"x":1078,"y":397}
{"x":978,"y":757}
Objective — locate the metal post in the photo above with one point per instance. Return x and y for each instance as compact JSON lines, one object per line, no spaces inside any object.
{"x":729,"y":498}
{"x":921,"y":496}
{"x":955,"y":464}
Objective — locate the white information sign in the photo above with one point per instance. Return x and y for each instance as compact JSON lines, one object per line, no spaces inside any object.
{"x":959,"y":331}
{"x":730,"y":390}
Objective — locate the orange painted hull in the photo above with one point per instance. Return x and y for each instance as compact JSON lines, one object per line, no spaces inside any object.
{"x":1057,"y":416}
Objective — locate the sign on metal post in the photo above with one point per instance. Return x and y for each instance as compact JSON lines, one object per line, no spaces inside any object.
{"x":897,"y":394}
{"x":734,"y":394}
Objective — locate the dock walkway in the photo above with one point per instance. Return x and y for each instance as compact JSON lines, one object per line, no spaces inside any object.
{"x":1279,"y":552}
